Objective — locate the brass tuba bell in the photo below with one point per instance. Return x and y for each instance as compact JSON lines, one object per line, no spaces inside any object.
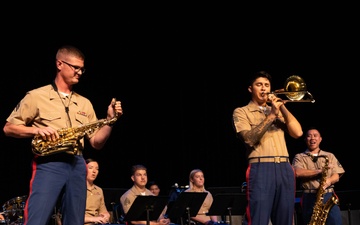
{"x":295,"y":90}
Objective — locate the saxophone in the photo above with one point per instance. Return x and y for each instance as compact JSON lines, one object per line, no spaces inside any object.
{"x":68,"y":141}
{"x":321,"y":210}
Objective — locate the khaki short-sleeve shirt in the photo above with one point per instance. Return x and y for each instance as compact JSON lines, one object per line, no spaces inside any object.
{"x":304,"y":161}
{"x":95,"y":202}
{"x":272,"y":143}
{"x":44,"y":106}
{"x":128,"y":198}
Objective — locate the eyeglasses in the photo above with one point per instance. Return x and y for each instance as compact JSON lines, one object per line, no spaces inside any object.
{"x":76,"y":68}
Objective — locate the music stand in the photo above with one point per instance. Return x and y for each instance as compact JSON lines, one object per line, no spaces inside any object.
{"x":228,"y":204}
{"x":146,"y":208}
{"x":186,"y":204}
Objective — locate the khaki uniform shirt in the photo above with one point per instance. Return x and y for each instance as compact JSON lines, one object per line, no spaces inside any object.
{"x":272,"y":143}
{"x":205,"y":207}
{"x":95,"y":202}
{"x":43,"y":107}
{"x":128,"y":198}
{"x":302,"y":160}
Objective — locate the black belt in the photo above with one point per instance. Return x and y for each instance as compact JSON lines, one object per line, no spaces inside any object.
{"x":272,"y":159}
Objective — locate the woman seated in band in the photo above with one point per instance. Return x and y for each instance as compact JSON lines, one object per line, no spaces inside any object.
{"x":196,"y":184}
{"x":96,"y":212}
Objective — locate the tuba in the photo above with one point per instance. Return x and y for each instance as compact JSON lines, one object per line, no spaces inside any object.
{"x":295,"y":90}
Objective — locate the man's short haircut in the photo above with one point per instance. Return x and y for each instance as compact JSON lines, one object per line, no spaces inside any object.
{"x":134,"y":168}
{"x":258,"y":74}
{"x":70,"y":50}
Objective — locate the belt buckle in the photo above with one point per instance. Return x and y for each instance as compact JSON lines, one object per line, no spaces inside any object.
{"x":277,"y":159}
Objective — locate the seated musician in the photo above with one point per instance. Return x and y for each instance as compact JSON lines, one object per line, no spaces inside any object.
{"x":140,"y":179}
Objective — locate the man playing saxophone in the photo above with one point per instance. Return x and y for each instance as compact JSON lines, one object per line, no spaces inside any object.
{"x":318,"y":171}
{"x":44,"y":112}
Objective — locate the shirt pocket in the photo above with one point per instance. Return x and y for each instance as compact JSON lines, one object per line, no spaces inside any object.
{"x":50,"y":116}
{"x":81,"y":120}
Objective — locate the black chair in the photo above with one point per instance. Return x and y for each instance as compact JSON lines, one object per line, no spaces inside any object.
{"x":112,"y":202}
{"x":118,"y":213}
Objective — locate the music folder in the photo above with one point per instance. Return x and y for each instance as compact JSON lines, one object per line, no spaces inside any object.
{"x":187,"y":204}
{"x":146,"y":208}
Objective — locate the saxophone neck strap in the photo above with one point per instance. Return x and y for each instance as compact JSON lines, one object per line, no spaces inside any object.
{"x":54,"y":86}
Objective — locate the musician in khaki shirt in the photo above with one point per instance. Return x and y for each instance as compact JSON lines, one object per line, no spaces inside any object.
{"x":41,"y":113}
{"x":140,"y":179}
{"x":261,"y":125}
{"x":197,"y":184}
{"x":309,"y":167}
{"x":96,"y":211}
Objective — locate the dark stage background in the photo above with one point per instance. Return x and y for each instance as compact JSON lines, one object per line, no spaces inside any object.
{"x":179,"y":76}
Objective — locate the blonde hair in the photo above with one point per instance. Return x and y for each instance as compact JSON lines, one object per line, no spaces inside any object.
{"x":191,"y":177}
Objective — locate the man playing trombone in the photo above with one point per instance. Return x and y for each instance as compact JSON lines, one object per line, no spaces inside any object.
{"x":261,"y":126}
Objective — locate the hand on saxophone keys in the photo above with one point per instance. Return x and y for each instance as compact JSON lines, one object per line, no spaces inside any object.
{"x":46,"y":133}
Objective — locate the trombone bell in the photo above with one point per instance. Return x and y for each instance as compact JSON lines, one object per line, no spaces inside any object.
{"x":295,"y":90}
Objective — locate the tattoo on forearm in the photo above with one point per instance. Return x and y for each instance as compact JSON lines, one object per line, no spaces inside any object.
{"x":253,"y":136}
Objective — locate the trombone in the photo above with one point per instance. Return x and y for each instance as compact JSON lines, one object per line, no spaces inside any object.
{"x":295,"y":90}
